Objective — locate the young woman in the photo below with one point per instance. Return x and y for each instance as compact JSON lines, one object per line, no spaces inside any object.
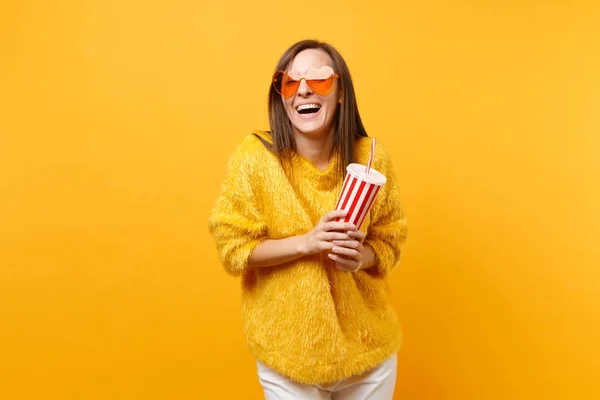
{"x":315,"y":308}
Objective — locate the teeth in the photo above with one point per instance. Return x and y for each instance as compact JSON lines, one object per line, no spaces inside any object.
{"x":308,"y":106}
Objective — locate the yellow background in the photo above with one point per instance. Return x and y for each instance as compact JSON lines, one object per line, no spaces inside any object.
{"x":116,"y":122}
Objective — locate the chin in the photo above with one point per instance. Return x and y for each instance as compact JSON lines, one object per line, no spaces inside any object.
{"x":311,"y":128}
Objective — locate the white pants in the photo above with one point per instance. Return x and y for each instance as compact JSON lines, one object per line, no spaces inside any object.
{"x":375,"y":384}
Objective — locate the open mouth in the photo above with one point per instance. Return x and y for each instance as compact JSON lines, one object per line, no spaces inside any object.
{"x":308,"y":109}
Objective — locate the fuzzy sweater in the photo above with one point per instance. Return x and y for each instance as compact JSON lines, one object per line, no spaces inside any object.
{"x":305,"y":319}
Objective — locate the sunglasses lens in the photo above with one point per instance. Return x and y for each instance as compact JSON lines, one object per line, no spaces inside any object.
{"x":289,"y":86}
{"x":321,"y":86}
{"x":284,"y":85}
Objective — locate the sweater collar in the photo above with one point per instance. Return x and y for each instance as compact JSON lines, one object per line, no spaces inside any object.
{"x":326,"y":179}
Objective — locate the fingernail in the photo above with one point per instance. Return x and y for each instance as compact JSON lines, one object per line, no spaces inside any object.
{"x":330,"y":256}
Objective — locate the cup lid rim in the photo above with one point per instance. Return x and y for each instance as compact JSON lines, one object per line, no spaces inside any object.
{"x":374,"y":177}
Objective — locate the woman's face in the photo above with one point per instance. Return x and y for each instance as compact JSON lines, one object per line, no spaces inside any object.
{"x":312,"y":114}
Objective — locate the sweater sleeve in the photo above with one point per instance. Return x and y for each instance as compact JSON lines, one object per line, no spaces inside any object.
{"x":387,"y":231}
{"x":235,"y":221}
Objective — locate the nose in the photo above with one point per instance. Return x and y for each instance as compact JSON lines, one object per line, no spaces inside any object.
{"x":304,"y":90}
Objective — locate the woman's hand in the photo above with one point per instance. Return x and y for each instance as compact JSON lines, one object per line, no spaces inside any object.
{"x":348,"y":254}
{"x":322,"y":236}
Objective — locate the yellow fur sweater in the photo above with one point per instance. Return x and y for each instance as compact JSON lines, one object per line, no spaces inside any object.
{"x":305,"y":319}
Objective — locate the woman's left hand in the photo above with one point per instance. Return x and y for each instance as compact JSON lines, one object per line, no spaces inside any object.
{"x":348,"y":254}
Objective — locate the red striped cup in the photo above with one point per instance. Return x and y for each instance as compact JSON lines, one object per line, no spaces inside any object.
{"x":359,"y":192}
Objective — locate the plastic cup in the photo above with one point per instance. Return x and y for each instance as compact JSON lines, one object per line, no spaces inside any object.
{"x":359,"y":192}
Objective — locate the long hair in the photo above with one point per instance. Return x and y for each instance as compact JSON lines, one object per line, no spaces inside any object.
{"x":348,"y":125}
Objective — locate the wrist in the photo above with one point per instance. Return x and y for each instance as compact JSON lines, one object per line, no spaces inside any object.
{"x":368,"y":257}
{"x":302,"y":245}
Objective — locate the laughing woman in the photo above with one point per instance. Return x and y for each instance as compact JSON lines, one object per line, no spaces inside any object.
{"x":315,"y":307}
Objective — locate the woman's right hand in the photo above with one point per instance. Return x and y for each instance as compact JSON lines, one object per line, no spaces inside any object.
{"x":320,"y":238}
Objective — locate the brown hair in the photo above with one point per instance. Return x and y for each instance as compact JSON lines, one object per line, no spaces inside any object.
{"x":348,"y":125}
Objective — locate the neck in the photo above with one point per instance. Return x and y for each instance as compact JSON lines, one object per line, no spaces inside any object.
{"x":316,"y":149}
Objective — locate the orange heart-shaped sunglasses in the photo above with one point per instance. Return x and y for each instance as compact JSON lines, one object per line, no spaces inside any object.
{"x":320,"y":80}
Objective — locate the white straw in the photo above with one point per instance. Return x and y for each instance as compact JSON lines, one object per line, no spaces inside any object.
{"x":371,"y":157}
